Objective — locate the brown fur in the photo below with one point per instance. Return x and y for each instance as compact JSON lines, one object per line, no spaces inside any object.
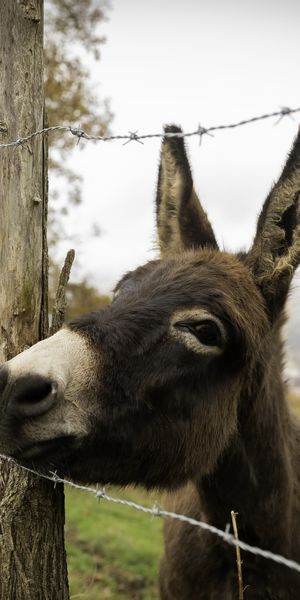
{"x":178,"y":385}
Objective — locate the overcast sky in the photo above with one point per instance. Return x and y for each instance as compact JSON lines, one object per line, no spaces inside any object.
{"x":209,"y":62}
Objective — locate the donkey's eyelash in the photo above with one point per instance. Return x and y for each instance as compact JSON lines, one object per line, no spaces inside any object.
{"x":207,"y":331}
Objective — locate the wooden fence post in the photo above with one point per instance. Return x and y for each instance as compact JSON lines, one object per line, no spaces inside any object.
{"x":32,"y":555}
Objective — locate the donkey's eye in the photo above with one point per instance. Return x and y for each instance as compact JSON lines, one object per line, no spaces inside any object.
{"x":200,"y":331}
{"x":208,"y":333}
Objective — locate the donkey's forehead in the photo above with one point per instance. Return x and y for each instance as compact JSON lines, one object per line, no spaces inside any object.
{"x":214,"y":279}
{"x":198,"y":268}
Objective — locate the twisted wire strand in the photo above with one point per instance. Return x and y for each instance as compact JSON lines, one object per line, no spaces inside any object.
{"x":156,"y":511}
{"x":134,"y":136}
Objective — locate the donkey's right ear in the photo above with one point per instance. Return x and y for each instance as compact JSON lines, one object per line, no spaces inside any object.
{"x":181,"y":220}
{"x":275,"y":253}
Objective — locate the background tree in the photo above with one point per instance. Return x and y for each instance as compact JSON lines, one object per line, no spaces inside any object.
{"x":81,"y":297}
{"x":72,"y":42}
{"x":84,"y":298}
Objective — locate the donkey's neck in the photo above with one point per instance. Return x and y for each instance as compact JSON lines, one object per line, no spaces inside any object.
{"x":255,"y":476}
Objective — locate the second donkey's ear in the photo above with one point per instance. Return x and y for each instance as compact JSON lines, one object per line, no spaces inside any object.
{"x":181,"y":220}
{"x":275,"y":253}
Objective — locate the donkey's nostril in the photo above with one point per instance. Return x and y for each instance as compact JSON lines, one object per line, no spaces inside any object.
{"x":34,"y":390}
{"x":31,"y":396}
{"x":3,"y":378}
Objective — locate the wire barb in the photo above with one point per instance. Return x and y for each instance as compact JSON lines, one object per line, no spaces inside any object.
{"x":285,"y":111}
{"x":133,"y":137}
{"x":100,"y":494}
{"x":55,"y":478}
{"x":78,"y":132}
{"x":156,"y":509}
{"x":201,"y":132}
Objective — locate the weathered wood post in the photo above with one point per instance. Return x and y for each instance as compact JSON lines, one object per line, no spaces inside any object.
{"x":32,"y":555}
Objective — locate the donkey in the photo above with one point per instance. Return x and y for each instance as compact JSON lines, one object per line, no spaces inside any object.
{"x":178,"y":385}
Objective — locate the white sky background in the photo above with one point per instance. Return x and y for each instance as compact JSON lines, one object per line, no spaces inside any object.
{"x":189,"y":62}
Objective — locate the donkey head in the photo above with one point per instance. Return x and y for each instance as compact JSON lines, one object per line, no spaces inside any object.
{"x":150,"y":389}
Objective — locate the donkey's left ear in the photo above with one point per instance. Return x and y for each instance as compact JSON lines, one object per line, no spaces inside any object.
{"x":275,"y":253}
{"x":181,"y":220}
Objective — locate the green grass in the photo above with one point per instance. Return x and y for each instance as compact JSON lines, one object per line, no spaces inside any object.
{"x":113,"y":551}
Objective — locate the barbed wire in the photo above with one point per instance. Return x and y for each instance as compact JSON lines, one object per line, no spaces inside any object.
{"x":157,"y":511}
{"x":133,"y":136}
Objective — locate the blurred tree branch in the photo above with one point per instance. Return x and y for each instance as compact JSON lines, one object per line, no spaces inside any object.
{"x":72,"y":42}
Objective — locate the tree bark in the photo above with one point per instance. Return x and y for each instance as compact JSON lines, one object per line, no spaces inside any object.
{"x":32,"y":554}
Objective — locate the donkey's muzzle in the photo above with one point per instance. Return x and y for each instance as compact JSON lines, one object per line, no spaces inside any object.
{"x":28,"y":396}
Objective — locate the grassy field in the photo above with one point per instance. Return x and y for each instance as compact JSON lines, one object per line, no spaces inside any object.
{"x":114,"y":551}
